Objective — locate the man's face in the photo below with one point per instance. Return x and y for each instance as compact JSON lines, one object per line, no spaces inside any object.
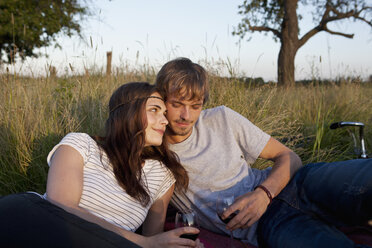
{"x":182,"y":116}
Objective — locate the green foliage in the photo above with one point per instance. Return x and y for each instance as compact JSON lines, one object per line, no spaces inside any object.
{"x":26,"y":25}
{"x":260,"y":12}
{"x":64,"y":90}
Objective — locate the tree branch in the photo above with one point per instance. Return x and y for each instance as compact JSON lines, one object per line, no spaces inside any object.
{"x":316,"y":29}
{"x":352,"y":13}
{"x":364,"y":20}
{"x":308,"y":35}
{"x":326,"y":13}
{"x":326,"y":18}
{"x":339,"y":16}
{"x":338,"y":33}
{"x":265,"y":29}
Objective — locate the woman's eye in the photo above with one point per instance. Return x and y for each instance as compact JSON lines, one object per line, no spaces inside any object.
{"x":154,"y":110}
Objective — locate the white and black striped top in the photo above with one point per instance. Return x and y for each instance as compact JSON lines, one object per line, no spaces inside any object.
{"x":102,"y":195}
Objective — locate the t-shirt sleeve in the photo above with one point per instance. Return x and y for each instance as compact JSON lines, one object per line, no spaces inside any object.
{"x":250,"y":138}
{"x":79,"y":141}
{"x":167,"y":182}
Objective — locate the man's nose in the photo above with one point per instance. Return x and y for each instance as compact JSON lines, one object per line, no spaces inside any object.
{"x":185,"y":113}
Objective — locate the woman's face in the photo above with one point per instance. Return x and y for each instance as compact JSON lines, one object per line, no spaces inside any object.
{"x":156,"y":121}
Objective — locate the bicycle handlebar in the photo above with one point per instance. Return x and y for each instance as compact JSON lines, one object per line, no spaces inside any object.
{"x":346,"y":123}
{"x":335,"y":125}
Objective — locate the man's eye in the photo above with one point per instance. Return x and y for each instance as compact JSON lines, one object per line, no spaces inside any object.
{"x":196,"y":107}
{"x":176,"y":105}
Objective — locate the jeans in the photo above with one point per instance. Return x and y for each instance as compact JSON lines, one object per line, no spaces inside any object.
{"x":27,"y":220}
{"x":320,"y":198}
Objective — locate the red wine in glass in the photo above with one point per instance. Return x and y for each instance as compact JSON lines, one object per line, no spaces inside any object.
{"x":187,"y":218}
{"x":224,"y":201}
{"x":227,"y":220}
{"x":191,"y":236}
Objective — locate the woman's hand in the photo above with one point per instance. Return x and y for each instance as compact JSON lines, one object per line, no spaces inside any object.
{"x":172,"y":239}
{"x":199,"y":244}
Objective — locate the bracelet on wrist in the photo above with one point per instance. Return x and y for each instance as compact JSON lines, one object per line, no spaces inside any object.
{"x":266,"y":191}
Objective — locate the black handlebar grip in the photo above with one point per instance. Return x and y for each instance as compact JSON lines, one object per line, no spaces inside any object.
{"x":335,"y":125}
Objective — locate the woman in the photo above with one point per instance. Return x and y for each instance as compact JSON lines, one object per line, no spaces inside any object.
{"x":119,"y":181}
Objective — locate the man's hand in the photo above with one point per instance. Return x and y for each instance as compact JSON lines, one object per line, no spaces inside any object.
{"x":251,"y":206}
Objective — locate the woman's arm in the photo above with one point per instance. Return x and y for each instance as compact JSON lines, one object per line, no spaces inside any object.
{"x":154,"y":222}
{"x":154,"y":226}
{"x":65,"y":185}
{"x":64,"y":189}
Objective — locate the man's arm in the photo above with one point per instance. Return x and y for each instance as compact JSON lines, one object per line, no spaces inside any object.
{"x":286,"y":163}
{"x":252,"y":205}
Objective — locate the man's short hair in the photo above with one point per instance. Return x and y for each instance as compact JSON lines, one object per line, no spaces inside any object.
{"x":181,"y":77}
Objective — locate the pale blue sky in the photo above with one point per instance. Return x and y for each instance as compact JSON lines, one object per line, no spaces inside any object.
{"x":157,"y":31}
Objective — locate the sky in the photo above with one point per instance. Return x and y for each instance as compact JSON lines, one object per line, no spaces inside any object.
{"x":145,"y":32}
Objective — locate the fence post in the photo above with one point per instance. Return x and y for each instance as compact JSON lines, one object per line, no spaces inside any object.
{"x":108,"y":66}
{"x":52,"y":71}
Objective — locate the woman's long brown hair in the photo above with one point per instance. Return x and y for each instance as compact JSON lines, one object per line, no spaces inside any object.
{"x":124,"y":141}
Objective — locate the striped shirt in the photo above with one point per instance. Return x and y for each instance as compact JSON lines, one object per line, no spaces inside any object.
{"x":102,"y":195}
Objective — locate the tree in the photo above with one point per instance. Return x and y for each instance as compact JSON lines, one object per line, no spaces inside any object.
{"x":29,"y":24}
{"x":280,"y":18}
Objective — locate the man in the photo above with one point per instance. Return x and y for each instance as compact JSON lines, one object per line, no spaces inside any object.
{"x":217,"y":147}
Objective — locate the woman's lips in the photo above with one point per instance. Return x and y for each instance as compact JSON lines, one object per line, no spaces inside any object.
{"x":161,"y":131}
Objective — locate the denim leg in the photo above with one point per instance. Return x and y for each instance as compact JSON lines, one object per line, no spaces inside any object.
{"x":318,"y":199}
{"x":285,"y":226}
{"x":340,"y":191}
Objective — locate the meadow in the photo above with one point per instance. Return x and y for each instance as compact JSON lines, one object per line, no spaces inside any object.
{"x":36,"y":112}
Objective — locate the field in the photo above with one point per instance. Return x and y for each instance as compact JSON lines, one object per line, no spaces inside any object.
{"x":35,"y":113}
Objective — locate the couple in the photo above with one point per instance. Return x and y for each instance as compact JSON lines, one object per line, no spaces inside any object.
{"x":126,"y":178}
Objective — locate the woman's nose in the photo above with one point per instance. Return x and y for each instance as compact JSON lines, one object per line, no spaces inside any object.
{"x":164,"y":120}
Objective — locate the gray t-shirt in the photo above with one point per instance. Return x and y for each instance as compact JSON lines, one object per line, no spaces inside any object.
{"x":218,"y":156}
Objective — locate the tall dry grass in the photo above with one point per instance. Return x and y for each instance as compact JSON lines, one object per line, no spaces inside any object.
{"x":35,"y":113}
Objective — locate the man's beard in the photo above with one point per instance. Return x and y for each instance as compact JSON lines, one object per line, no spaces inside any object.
{"x":180,"y":131}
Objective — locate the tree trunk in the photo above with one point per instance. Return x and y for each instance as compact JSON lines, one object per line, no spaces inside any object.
{"x":289,"y":45}
{"x":286,"y":65}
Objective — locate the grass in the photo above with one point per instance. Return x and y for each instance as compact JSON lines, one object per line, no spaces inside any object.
{"x":35,"y":113}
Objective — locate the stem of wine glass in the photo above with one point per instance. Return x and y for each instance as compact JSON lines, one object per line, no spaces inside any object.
{"x":231,"y":239}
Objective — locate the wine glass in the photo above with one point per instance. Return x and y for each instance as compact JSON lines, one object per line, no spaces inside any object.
{"x":187,"y":217}
{"x":224,"y":200}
